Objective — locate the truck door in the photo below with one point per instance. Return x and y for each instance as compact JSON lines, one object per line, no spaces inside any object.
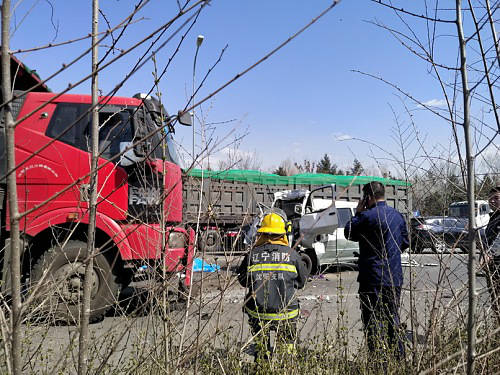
{"x":57,"y":166}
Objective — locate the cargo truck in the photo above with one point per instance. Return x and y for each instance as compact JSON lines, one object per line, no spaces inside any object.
{"x":220,"y":202}
{"x":137,"y":180}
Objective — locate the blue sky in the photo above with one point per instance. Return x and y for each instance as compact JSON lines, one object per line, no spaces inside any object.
{"x":295,"y":105}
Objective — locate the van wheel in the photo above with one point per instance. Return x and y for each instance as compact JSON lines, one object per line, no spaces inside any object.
{"x":57,"y":280}
{"x":307,"y":263}
{"x":314,"y":261}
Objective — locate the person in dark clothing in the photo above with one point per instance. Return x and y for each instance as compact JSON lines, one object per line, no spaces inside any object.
{"x":272,"y":272}
{"x":492,"y":258}
{"x":382,"y":236}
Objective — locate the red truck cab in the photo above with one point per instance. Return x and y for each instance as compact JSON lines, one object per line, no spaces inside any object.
{"x":138,"y":178}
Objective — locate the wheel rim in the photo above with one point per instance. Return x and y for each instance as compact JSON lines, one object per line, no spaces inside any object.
{"x":69,"y":282}
{"x":210,"y":240}
{"x":440,"y":246}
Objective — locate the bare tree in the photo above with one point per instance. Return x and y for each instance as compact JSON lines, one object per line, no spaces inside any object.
{"x":15,"y":243}
{"x":93,"y":191}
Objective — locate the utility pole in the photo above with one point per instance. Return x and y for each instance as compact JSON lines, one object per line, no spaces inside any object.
{"x":199,"y":41}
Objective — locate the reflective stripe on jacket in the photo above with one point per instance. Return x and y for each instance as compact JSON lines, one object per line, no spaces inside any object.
{"x":272,"y":273}
{"x":270,"y":316}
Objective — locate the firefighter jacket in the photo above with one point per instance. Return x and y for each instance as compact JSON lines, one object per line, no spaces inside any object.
{"x":272,"y":273}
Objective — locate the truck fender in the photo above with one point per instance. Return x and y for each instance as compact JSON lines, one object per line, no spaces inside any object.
{"x":68,"y":215}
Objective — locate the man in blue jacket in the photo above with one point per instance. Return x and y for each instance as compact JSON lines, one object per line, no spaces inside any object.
{"x":382,"y":236}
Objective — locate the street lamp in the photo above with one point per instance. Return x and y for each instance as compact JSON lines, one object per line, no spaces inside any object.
{"x":199,"y":41}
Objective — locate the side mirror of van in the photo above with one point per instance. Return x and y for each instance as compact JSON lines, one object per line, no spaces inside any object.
{"x":298,"y":209}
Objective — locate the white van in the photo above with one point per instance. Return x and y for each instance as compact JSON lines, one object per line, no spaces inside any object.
{"x":334,"y":248}
{"x":322,"y":249}
{"x":461,"y":210}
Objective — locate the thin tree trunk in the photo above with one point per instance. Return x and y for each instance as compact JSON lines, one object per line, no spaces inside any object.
{"x":471,"y":323}
{"x":15,"y":266}
{"x":85,"y":313}
{"x":163,"y":230}
{"x":493,"y":32}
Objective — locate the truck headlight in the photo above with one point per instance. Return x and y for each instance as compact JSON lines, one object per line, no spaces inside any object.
{"x":176,"y":240}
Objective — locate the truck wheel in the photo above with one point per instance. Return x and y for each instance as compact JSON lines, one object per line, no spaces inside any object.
{"x":307,"y":263}
{"x":59,"y":296}
{"x":210,"y":241}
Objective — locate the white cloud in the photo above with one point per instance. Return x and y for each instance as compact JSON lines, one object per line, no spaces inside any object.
{"x":342,"y":136}
{"x":433,"y":103}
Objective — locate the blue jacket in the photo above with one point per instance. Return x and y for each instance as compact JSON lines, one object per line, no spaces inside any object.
{"x":382,"y":235}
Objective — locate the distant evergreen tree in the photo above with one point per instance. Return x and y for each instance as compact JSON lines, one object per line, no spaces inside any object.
{"x":280,"y":171}
{"x":326,"y":166}
{"x":357,"y":169}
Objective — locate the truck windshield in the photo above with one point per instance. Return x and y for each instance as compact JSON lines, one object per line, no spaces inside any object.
{"x":461,"y":210}
{"x":148,"y":122}
{"x":114,"y":128}
{"x":172,"y":149}
{"x":157,"y":145}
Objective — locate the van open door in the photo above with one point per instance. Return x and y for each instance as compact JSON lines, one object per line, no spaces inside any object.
{"x":321,"y":215}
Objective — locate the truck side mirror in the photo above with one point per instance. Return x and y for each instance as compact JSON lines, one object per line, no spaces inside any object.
{"x":185,"y":118}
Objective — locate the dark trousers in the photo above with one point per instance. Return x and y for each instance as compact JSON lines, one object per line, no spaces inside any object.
{"x":286,"y":333}
{"x":380,"y":316}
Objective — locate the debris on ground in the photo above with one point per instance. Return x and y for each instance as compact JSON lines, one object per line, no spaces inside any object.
{"x":199,"y":265}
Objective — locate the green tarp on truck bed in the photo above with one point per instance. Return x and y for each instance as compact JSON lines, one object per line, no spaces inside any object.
{"x":258,"y":177}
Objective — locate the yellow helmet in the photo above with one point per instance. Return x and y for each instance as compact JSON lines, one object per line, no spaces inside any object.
{"x":272,"y":224}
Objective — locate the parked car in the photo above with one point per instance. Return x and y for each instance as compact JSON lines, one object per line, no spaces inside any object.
{"x":440,"y":233}
{"x":427,"y":233}
{"x":456,"y":236}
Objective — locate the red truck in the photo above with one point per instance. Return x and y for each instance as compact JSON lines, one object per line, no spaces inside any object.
{"x":136,"y":181}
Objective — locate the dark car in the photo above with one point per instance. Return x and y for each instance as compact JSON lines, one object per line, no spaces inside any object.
{"x":456,"y":235}
{"x":440,"y":233}
{"x":427,"y":233}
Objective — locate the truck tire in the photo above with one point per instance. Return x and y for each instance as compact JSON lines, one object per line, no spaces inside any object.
{"x":59,"y":296}
{"x":210,"y":241}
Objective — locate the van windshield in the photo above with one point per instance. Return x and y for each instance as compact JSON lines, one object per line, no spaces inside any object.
{"x":460,"y":210}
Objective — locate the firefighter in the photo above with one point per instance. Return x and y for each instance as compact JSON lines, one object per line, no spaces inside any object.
{"x":272,"y":272}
